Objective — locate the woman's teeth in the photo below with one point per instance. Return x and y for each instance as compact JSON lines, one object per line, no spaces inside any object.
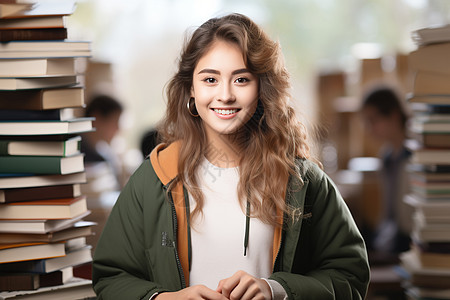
{"x":225,"y":111}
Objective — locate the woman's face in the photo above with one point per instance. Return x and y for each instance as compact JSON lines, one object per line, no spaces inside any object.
{"x":225,"y":92}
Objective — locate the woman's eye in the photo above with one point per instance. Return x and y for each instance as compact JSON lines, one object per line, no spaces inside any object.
{"x":210,"y":80}
{"x":242,"y":80}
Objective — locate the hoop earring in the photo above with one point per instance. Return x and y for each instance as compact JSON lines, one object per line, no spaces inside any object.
{"x":193,"y":112}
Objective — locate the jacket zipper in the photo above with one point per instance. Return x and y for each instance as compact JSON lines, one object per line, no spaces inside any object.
{"x":175,"y":230}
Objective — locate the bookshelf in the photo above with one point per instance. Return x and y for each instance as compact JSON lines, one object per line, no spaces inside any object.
{"x":42,"y":208}
{"x":427,"y":265}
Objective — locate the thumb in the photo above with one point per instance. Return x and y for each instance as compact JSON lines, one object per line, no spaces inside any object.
{"x":219,"y":287}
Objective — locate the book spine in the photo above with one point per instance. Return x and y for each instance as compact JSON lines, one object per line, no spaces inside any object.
{"x":19,"y":115}
{"x":30,"y":164}
{"x":38,"y":138}
{"x":25,"y":99}
{"x":4,"y":147}
{"x":19,"y":282}
{"x":51,"y":279}
{"x":37,"y":193}
{"x":30,"y":266}
{"x":33,"y":34}
{"x":29,"y":281}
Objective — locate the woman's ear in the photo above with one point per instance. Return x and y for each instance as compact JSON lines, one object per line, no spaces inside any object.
{"x":192,"y":92}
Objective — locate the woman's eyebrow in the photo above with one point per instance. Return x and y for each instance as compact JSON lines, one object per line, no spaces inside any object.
{"x":209,"y":71}
{"x":240,"y":71}
{"x":235,"y":72}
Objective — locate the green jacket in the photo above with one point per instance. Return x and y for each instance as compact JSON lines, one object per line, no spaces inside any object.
{"x":144,"y":246}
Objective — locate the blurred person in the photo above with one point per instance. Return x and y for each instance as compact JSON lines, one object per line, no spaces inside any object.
{"x":386,"y":119}
{"x":149,"y":141}
{"x":96,"y":145}
{"x":107,"y":111}
{"x":104,"y":167}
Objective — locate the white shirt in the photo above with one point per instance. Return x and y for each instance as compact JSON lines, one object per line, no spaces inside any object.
{"x":217,"y":236}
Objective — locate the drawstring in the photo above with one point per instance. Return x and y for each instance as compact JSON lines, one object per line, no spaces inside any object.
{"x":247,"y":228}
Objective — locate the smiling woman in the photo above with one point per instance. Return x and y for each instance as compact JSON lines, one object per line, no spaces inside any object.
{"x":230,"y":206}
{"x":226,"y":95}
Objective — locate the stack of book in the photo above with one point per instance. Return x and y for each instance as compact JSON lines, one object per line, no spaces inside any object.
{"x":29,"y":20}
{"x":428,"y":262}
{"x":42,"y":232}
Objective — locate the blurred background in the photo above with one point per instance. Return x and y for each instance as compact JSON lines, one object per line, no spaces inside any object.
{"x":136,"y":43}
{"x":335,"y":51}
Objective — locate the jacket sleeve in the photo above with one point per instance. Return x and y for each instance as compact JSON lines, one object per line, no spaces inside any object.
{"x":119,"y":268}
{"x":335,"y":266}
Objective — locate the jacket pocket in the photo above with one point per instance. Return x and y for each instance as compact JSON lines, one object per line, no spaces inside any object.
{"x":162,"y":263}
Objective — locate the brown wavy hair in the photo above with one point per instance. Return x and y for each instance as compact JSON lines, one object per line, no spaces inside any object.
{"x":268,"y":144}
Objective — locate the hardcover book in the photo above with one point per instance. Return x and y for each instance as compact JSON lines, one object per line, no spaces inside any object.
{"x":75,"y":288}
{"x":40,"y":9}
{"x":38,"y":226}
{"x":30,"y":251}
{"x":42,"y":99}
{"x":40,"y":193}
{"x":23,"y":83}
{"x":44,"y":209}
{"x":45,"y":47}
{"x":44,"y":34}
{"x":37,"y":67}
{"x":433,"y":140}
{"x":29,"y":23}
{"x":74,"y":258}
{"x":63,"y":114}
{"x":431,"y":83}
{"x":431,"y":156}
{"x":25,"y":181}
{"x":431,"y":35}
{"x":46,"y":127}
{"x":32,"y":281}
{"x":13,"y":9}
{"x":430,"y":209}
{"x":67,"y":147}
{"x":429,"y":127}
{"x":79,"y":229}
{"x":431,"y":58}
{"x":426,"y":277}
{"x":42,"y":164}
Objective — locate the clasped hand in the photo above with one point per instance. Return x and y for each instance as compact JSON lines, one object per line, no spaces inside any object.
{"x":240,"y":286}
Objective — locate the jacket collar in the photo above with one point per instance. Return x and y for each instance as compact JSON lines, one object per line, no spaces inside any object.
{"x":164,"y":159}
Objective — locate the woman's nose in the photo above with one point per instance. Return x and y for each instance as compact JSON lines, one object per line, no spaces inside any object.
{"x":226,"y":93}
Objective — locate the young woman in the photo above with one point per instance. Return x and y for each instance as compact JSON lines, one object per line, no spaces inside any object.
{"x":230,"y":207}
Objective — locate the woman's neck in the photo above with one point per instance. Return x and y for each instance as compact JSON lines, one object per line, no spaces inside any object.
{"x":222,"y":152}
